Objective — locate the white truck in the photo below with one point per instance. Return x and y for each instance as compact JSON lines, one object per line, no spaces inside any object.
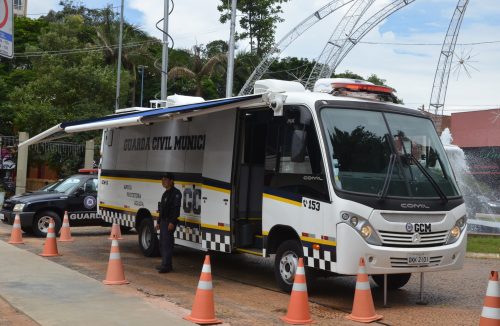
{"x":331,"y":176}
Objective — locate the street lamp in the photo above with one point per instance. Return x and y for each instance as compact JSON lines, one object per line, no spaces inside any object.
{"x":141,"y":68}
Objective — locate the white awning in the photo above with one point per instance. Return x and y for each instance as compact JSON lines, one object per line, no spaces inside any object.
{"x":144,"y":117}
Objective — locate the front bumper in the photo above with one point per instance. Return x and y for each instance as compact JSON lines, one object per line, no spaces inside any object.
{"x":387,"y":260}
{"x":26,"y":217}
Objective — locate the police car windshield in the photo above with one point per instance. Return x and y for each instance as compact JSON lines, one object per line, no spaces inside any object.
{"x":361,"y":145}
{"x":68,"y":185}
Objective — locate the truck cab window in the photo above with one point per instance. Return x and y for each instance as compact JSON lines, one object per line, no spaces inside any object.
{"x":293,"y":154}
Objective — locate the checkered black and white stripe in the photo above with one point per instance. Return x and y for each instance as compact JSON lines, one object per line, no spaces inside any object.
{"x":322,"y":259}
{"x":121,"y":218}
{"x":215,"y":241}
{"x":187,"y":233}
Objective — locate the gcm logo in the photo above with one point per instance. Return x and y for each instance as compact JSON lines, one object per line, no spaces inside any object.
{"x":191,"y":201}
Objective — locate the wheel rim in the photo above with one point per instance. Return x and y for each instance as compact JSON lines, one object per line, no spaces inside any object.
{"x":43,"y":223}
{"x":288,"y":266}
{"x":146,"y":237}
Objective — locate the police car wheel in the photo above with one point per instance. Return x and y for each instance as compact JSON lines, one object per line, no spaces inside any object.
{"x":285,"y":263}
{"x":41,"y":221}
{"x":148,"y":240}
{"x":394,"y":281}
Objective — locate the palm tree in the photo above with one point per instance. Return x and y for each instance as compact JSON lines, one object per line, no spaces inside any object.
{"x":107,"y":34}
{"x":200,"y":69}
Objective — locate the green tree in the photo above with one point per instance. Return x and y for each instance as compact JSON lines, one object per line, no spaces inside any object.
{"x":258,"y":19}
{"x":199,"y":73}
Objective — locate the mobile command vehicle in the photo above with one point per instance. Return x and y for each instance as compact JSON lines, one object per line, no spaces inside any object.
{"x":289,"y":173}
{"x":76,"y":194}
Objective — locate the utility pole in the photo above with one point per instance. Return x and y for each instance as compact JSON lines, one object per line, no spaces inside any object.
{"x":142,"y":82}
{"x":164,"y":60}
{"x":230,"y":55}
{"x":118,"y":74}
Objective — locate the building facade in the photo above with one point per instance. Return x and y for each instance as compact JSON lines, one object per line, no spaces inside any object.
{"x":21,"y":7}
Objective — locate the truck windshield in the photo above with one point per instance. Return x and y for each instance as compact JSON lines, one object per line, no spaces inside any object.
{"x":366,"y":146}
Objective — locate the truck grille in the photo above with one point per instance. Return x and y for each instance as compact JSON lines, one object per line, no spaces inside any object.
{"x":413,"y":217}
{"x":402,"y":262}
{"x":400,"y":239}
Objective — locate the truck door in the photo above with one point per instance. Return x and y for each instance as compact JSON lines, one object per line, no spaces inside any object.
{"x":296,"y":192}
{"x":216,"y":188}
{"x":82,"y":205}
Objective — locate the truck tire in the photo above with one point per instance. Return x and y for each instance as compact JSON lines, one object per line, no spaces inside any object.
{"x":148,"y":240}
{"x":285,"y":263}
{"x":41,"y":220}
{"x":394,"y":281}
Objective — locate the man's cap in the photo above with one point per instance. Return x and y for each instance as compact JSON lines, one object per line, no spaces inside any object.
{"x":168,"y":175}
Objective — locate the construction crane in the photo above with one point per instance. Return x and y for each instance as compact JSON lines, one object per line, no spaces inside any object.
{"x":360,"y":32}
{"x":291,"y":36}
{"x":442,"y":75}
{"x":338,"y":39}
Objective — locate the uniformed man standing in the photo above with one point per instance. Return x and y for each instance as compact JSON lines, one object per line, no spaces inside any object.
{"x":169,"y":208}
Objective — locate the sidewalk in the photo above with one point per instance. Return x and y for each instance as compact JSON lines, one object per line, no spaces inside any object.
{"x":52,"y":294}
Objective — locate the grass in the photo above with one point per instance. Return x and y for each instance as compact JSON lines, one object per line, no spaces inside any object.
{"x":483,"y":243}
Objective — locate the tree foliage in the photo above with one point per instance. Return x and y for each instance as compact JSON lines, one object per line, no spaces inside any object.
{"x":258,"y":19}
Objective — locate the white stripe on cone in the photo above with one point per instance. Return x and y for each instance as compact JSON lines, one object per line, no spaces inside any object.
{"x":206,"y":269}
{"x":205,"y":285}
{"x":493,"y":289}
{"x":362,"y":286}
{"x":114,"y":256}
{"x":491,"y":313}
{"x":301,"y":287}
{"x":51,"y":235}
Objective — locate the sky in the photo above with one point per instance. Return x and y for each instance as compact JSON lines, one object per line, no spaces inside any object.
{"x":410,"y":69}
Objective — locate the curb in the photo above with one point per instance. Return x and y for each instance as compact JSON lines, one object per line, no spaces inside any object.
{"x":482,"y":255}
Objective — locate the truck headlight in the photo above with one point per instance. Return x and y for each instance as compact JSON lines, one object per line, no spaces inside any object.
{"x":18,"y":207}
{"x":456,"y":230}
{"x":362,"y":226}
{"x":366,"y":231}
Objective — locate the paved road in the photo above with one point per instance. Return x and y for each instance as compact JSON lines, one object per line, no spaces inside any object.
{"x":246,"y":293}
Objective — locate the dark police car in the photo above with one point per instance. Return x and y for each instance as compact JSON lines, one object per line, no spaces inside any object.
{"x":76,"y":194}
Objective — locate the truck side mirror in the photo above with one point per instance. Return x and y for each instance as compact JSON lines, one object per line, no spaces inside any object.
{"x":298,"y":150}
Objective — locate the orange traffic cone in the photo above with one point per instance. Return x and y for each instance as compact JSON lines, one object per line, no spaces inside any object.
{"x":490,"y":316}
{"x":116,"y":233}
{"x":298,"y":307}
{"x":203,"y":311}
{"x":115,"y":274}
{"x":50,"y":247}
{"x":65,"y":230}
{"x":363,"y":309}
{"x":16,"y":236}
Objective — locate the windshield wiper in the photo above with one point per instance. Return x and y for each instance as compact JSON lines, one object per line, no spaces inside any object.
{"x":383,"y":193}
{"x":429,"y":177}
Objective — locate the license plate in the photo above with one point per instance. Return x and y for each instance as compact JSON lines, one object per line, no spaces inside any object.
{"x":417,"y":260}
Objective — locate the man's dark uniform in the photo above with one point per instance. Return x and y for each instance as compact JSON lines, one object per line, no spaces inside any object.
{"x":170,"y":207}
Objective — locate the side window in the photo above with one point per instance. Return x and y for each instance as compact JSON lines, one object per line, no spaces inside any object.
{"x":90,"y":186}
{"x":293,"y":149}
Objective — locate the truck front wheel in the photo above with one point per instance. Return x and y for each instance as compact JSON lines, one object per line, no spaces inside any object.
{"x":285,"y":263}
{"x":148,"y":240}
{"x":394,"y":281}
{"x":41,"y":221}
